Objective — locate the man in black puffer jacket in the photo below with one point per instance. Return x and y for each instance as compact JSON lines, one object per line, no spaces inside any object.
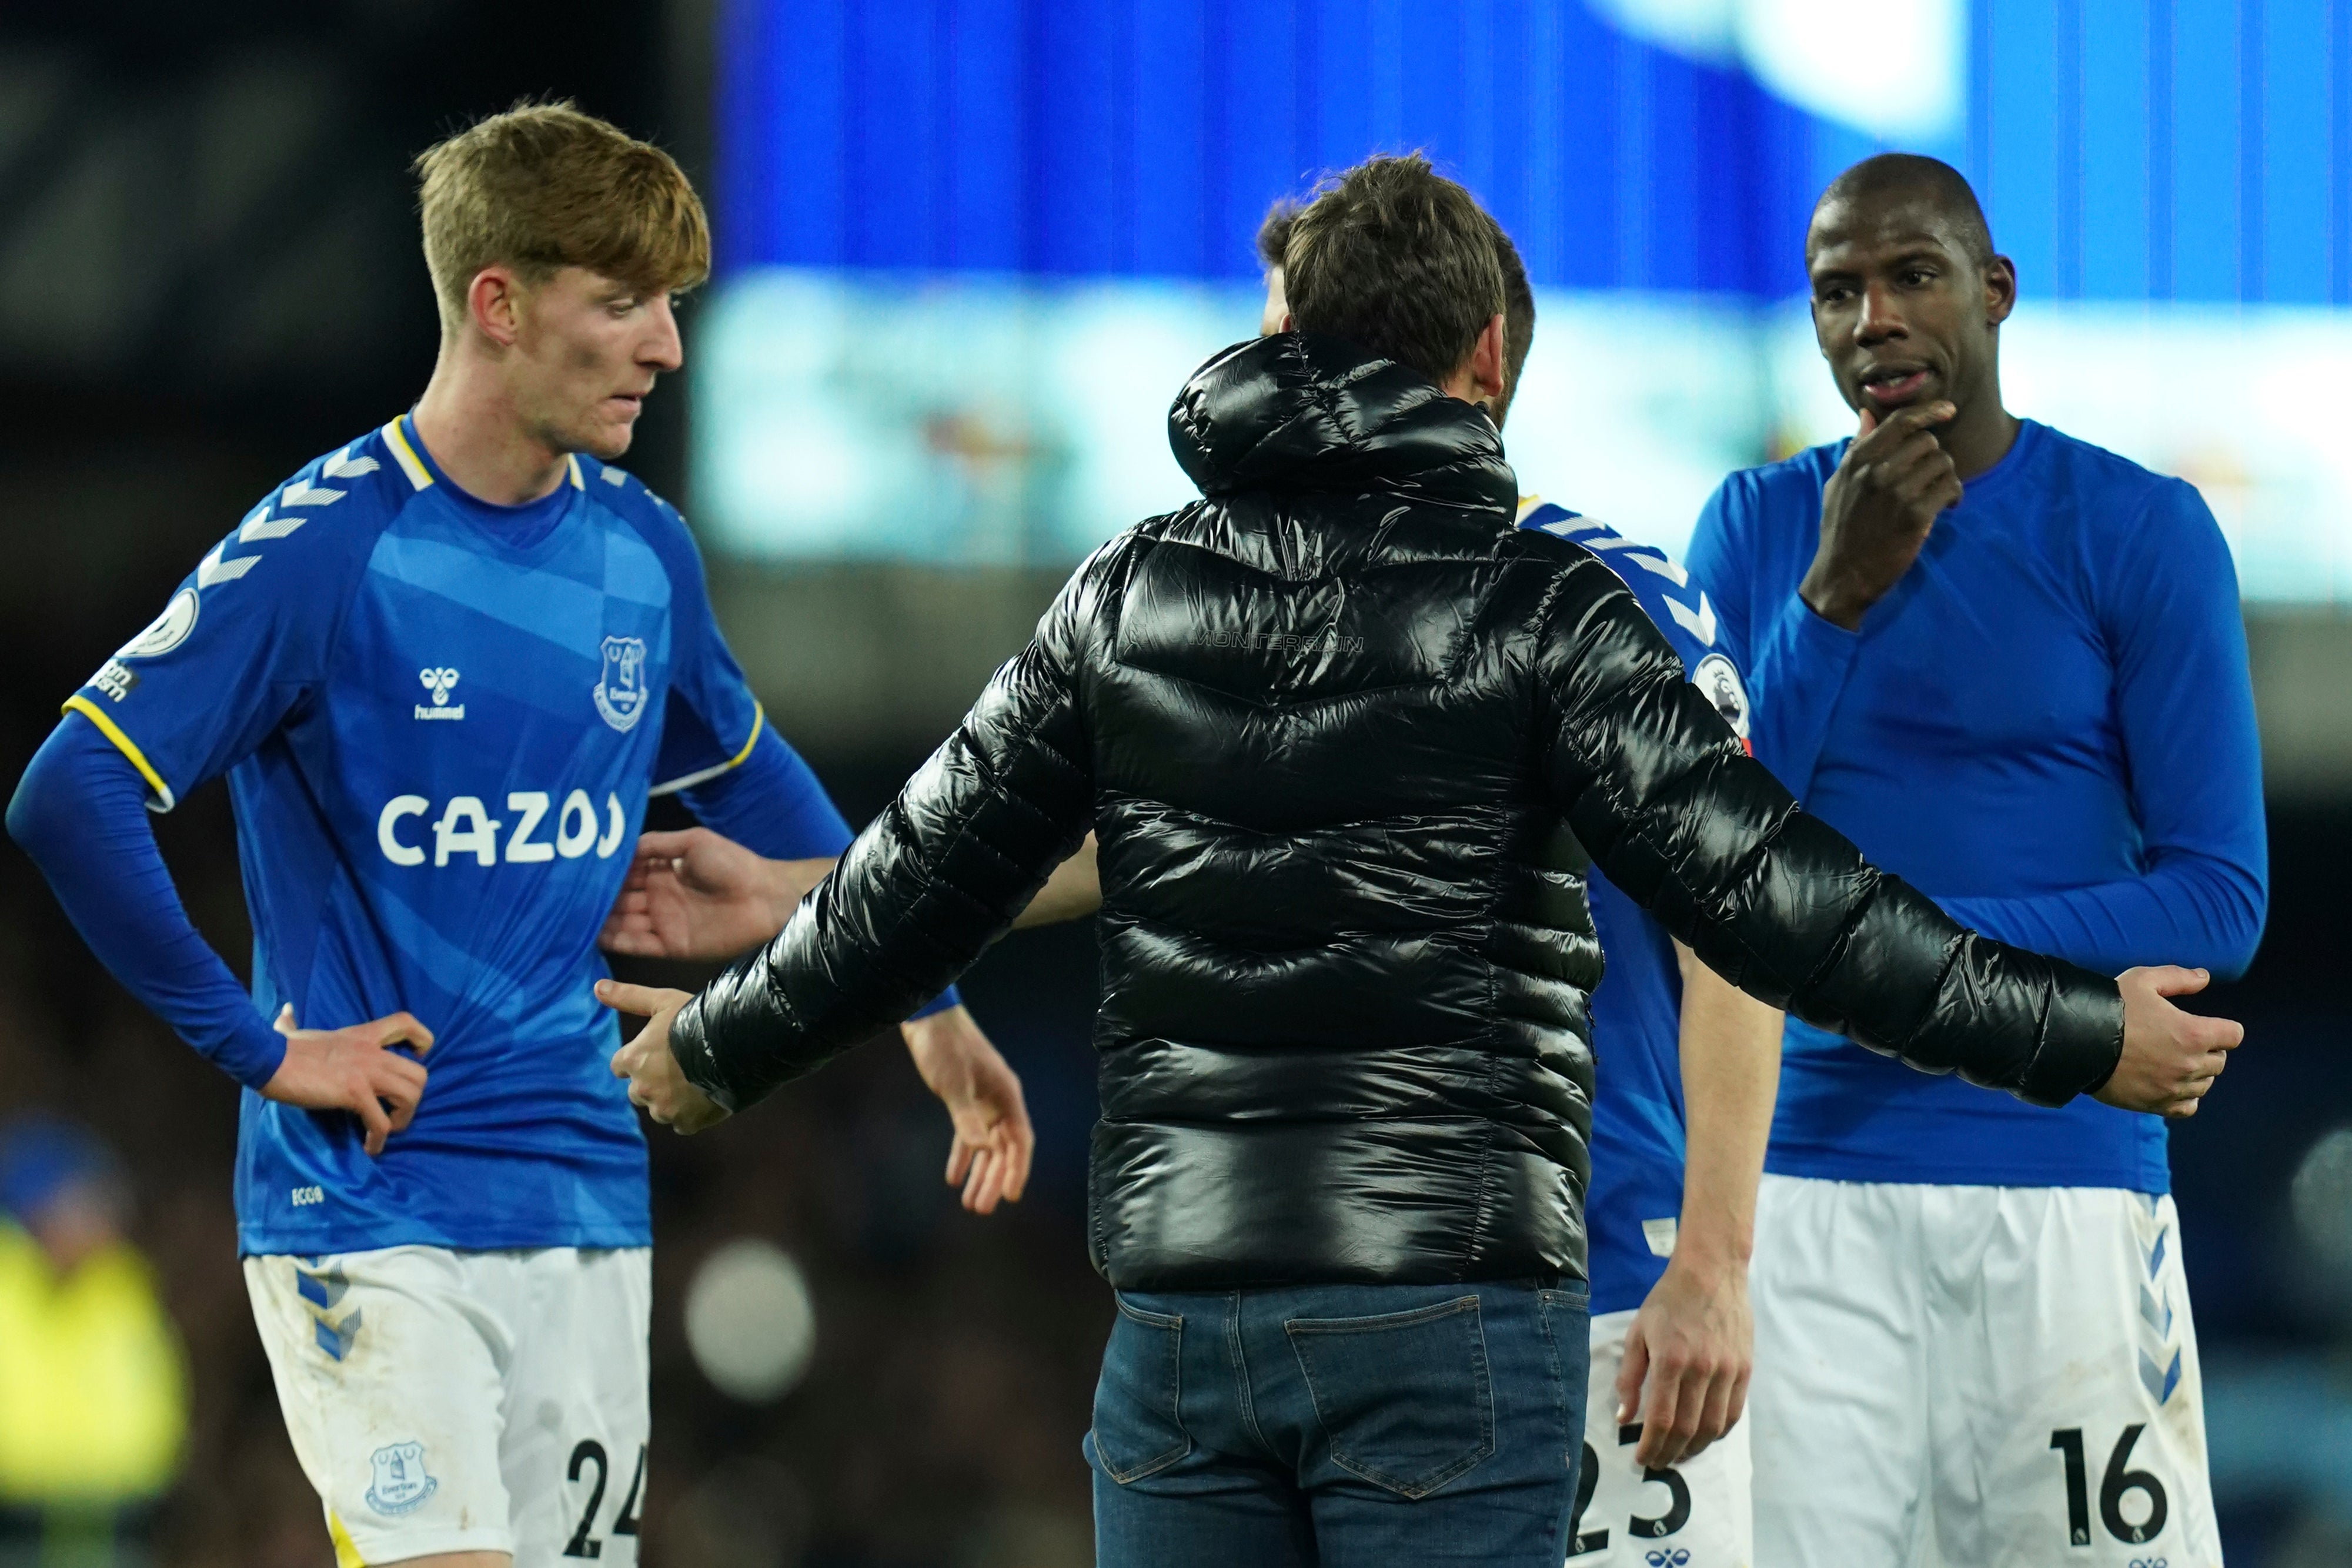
{"x":1350,"y":740}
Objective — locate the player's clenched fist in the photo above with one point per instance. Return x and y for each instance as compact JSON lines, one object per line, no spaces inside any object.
{"x":353,"y":1069}
{"x":2170,"y":1057}
{"x":655,"y":1080}
{"x":1894,"y":480}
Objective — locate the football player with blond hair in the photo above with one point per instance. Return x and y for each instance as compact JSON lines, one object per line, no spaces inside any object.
{"x":443,"y":667}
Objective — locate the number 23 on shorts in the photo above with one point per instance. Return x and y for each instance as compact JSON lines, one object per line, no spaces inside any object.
{"x":1583,"y":1541}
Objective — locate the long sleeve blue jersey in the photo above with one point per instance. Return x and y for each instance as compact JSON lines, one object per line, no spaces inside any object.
{"x":2048,"y":727}
{"x":440,"y":721}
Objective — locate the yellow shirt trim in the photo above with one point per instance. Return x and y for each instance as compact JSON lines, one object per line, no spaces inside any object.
{"x":405,"y":456}
{"x":572,"y":460}
{"x":347,"y":1552}
{"x":759,"y":721}
{"x":122,"y":743}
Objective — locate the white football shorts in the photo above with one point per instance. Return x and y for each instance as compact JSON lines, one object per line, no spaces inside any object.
{"x":1975,"y":1377}
{"x":1693,"y":1515}
{"x":444,"y":1401}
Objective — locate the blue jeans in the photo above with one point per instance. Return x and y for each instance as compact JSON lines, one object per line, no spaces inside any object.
{"x":1341,"y":1427}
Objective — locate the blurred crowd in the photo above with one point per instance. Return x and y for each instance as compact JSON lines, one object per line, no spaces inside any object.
{"x":93,"y":1389}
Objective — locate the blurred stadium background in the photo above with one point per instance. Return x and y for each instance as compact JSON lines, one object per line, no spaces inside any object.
{"x":969,"y":248}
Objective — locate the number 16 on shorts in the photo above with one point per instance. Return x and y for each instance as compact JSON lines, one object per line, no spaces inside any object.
{"x":2142,"y":1520}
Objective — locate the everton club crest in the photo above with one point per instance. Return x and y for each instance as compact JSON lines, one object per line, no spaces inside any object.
{"x":621,"y":695}
{"x":400,"y":1484}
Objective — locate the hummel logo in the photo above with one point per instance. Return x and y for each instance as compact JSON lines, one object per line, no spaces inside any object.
{"x":439,"y":682}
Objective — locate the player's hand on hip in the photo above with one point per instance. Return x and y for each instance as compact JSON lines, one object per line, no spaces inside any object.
{"x":698,"y":895}
{"x":1877,"y":510}
{"x":655,"y":1080}
{"x":2170,"y":1058}
{"x":353,"y":1069}
{"x":1688,"y":1355}
{"x":993,"y":1141}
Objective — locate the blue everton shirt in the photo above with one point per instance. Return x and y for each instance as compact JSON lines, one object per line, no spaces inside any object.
{"x":2048,"y":727}
{"x":440,"y":721}
{"x":1632,"y":1209}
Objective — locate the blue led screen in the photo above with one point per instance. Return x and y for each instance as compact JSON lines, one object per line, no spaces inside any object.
{"x":970,"y":248}
{"x":2190,"y":149}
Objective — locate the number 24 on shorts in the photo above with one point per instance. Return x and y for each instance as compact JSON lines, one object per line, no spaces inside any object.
{"x":2118,"y":1480}
{"x":591,"y":1452}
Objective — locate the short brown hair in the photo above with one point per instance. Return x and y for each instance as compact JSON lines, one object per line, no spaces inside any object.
{"x":1519,"y":309}
{"x":1274,"y":234}
{"x":544,"y":186}
{"x":1397,"y":259}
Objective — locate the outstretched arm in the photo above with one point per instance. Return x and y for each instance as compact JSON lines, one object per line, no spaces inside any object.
{"x":701,"y":893}
{"x":929,"y":885}
{"x":1681,"y":819}
{"x":696,"y":895}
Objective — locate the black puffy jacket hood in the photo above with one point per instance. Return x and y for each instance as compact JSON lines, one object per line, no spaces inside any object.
{"x":1347,"y":738}
{"x":1299,"y":413}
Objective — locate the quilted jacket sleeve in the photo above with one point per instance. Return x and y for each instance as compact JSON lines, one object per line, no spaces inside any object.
{"x":1774,"y":900}
{"x":929,"y":885}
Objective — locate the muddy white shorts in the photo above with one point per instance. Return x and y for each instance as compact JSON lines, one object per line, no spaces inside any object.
{"x":1975,"y":1377}
{"x":446,"y":1401}
{"x":1693,"y":1515}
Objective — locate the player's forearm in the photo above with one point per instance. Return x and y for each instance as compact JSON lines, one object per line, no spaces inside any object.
{"x":787,"y":881}
{"x":2195,"y":911}
{"x":2195,"y":766}
{"x":79,"y":813}
{"x":1731,"y":1074}
{"x":1072,"y":892}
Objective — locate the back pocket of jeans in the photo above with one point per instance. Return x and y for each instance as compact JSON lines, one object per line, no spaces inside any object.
{"x":1138,"y":1428}
{"x":1404,"y":1397}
